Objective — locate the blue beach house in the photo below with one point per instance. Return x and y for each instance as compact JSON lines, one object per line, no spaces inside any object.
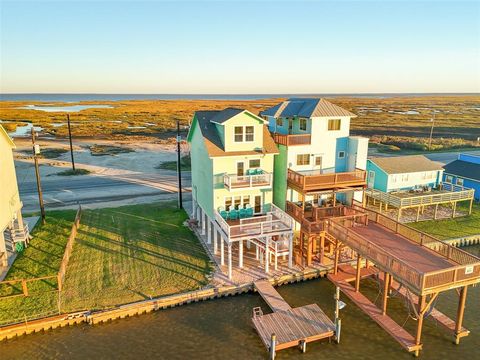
{"x":403,"y":173}
{"x":465,"y":171}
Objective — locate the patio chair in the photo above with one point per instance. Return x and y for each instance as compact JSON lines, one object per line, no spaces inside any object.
{"x":243,"y":213}
{"x":249,"y":211}
{"x":224,"y":214}
{"x":258,"y":172}
{"x":233,"y":214}
{"x":221,"y":208}
{"x":250,"y":171}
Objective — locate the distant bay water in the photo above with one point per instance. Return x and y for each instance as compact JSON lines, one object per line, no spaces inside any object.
{"x":117,"y":97}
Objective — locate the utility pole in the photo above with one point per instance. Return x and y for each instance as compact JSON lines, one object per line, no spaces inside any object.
{"x":36,"y":151}
{"x":70,"y":137}
{"x":179,"y":168}
{"x":431,"y":131}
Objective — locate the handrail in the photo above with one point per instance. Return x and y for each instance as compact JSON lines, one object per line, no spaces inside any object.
{"x":247,"y":181}
{"x":292,"y":139}
{"x":310,"y":182}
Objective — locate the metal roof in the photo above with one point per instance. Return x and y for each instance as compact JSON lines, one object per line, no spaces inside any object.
{"x":306,"y":107}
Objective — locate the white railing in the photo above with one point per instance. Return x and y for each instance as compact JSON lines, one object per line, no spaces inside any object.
{"x":247,"y":181}
{"x":274,"y":221}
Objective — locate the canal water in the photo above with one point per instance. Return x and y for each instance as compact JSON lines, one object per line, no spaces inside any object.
{"x":221,"y":329}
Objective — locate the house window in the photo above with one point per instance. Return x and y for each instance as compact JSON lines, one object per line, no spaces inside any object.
{"x":237,"y":202}
{"x":334,"y":124}
{"x":228,"y":203}
{"x":341,"y":154}
{"x":449,"y":179}
{"x":459,"y":181}
{"x":405,"y":177}
{"x":249,"y":133}
{"x":279,"y":122}
{"x":318,"y":161}
{"x":303,"y":124}
{"x":303,"y":159}
{"x":238,"y":133}
{"x":254,"y":163}
{"x":246,"y":200}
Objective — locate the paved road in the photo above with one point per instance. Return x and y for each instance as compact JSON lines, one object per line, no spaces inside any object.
{"x":444,"y":157}
{"x":64,"y":192}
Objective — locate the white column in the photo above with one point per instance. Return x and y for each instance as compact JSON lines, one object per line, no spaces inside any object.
{"x":203,"y":221}
{"x":194,"y":212}
{"x":290,"y":250}
{"x":198,"y":217}
{"x":209,"y":231}
{"x":240,"y":254}
{"x":215,"y":240}
{"x":230,"y":261}
{"x":256,"y":252}
{"x":222,"y":251}
{"x":267,"y":253}
{"x":248,"y":244}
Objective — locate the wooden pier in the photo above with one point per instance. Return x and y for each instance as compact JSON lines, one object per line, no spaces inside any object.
{"x":342,"y":279}
{"x":287,"y":327}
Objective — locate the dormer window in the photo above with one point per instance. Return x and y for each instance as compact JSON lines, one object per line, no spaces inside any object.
{"x":279,"y":122}
{"x":244,"y":134}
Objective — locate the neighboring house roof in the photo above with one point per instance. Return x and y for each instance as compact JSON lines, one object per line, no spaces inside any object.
{"x":406,"y":164}
{"x":7,"y":137}
{"x":214,"y":144}
{"x":306,"y":107}
{"x":464,"y":169}
{"x":226,"y":114}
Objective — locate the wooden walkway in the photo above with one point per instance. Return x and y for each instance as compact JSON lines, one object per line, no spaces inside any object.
{"x":406,"y":340}
{"x":271,"y":296}
{"x":292,"y":327}
{"x":440,"y":317}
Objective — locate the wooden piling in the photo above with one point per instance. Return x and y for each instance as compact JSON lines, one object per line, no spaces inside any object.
{"x":273,"y":345}
{"x":460,"y":312}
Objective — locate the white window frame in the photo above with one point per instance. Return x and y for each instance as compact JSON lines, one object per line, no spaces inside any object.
{"x":341,"y":156}
{"x":459,"y":181}
{"x":244,"y":134}
{"x":339,"y":124}
{"x":300,"y":124}
{"x":279,"y":121}
{"x":449,"y":179}
{"x":308,"y":156}
{"x":235,"y":134}
{"x":259,"y":164}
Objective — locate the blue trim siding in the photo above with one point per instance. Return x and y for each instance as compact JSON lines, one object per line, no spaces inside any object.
{"x":471,"y":184}
{"x":381,"y":178}
{"x":341,"y":163}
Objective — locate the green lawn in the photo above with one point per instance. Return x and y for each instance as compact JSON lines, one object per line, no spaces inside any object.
{"x":120,"y":255}
{"x":41,"y":258}
{"x":452,"y":228}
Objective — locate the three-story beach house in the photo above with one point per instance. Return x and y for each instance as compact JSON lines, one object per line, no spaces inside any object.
{"x":232,"y":155}
{"x":320,"y":168}
{"x":12,"y":229}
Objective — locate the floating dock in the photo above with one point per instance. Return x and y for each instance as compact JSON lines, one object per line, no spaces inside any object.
{"x":287,"y":327}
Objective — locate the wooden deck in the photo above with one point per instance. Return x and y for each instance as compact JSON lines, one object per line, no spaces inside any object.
{"x":292,"y":327}
{"x":406,"y":340}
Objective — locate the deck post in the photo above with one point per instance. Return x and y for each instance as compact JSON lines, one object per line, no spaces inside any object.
{"x":460,"y":312}
{"x":418,"y":213}
{"x":471,"y":206}
{"x":399,"y":215}
{"x":273,"y":345}
{"x":454,"y":207}
{"x":194,"y":213}
{"x":303,"y":346}
{"x":215,"y":240}
{"x":290,"y":251}
{"x":267,"y":253}
{"x":309,"y":250}
{"x":203,"y":221}
{"x":357,"y":278}
{"x":256,"y":252}
{"x":421,"y":313}
{"x":198,"y":217}
{"x":337,"y":256}
{"x":386,"y":282}
{"x":322,"y":248}
{"x":240,"y":254}
{"x":222,"y":251}
{"x":209,"y":231}
{"x":229,"y":261}
{"x":435,"y":212}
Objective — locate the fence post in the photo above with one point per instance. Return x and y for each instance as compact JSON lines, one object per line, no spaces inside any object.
{"x":24,"y":287}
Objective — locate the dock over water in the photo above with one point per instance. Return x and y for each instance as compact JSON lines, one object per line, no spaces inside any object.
{"x":290,"y":327}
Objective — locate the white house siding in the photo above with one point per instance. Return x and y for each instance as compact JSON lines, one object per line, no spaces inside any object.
{"x":411,"y":180}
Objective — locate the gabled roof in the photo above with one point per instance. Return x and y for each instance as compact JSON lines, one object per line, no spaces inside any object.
{"x":7,"y":137}
{"x":464,"y":169}
{"x":405,"y":164}
{"x":226,"y":114}
{"x":306,"y":107}
{"x":214,"y":144}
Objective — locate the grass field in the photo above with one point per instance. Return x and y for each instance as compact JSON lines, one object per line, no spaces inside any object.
{"x":120,"y":255}
{"x":452,"y":228}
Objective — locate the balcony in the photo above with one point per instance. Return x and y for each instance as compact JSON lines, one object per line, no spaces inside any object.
{"x":233,"y":182}
{"x":292,"y":140}
{"x":310,"y":181}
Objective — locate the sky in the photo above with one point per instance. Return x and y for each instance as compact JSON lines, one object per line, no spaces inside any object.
{"x":239,"y":47}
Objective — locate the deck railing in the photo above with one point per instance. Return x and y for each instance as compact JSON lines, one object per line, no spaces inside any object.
{"x":274,"y":221}
{"x":247,"y":181}
{"x":468,"y":265}
{"x":292,"y":140}
{"x":310,"y":181}
{"x":456,"y":193}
